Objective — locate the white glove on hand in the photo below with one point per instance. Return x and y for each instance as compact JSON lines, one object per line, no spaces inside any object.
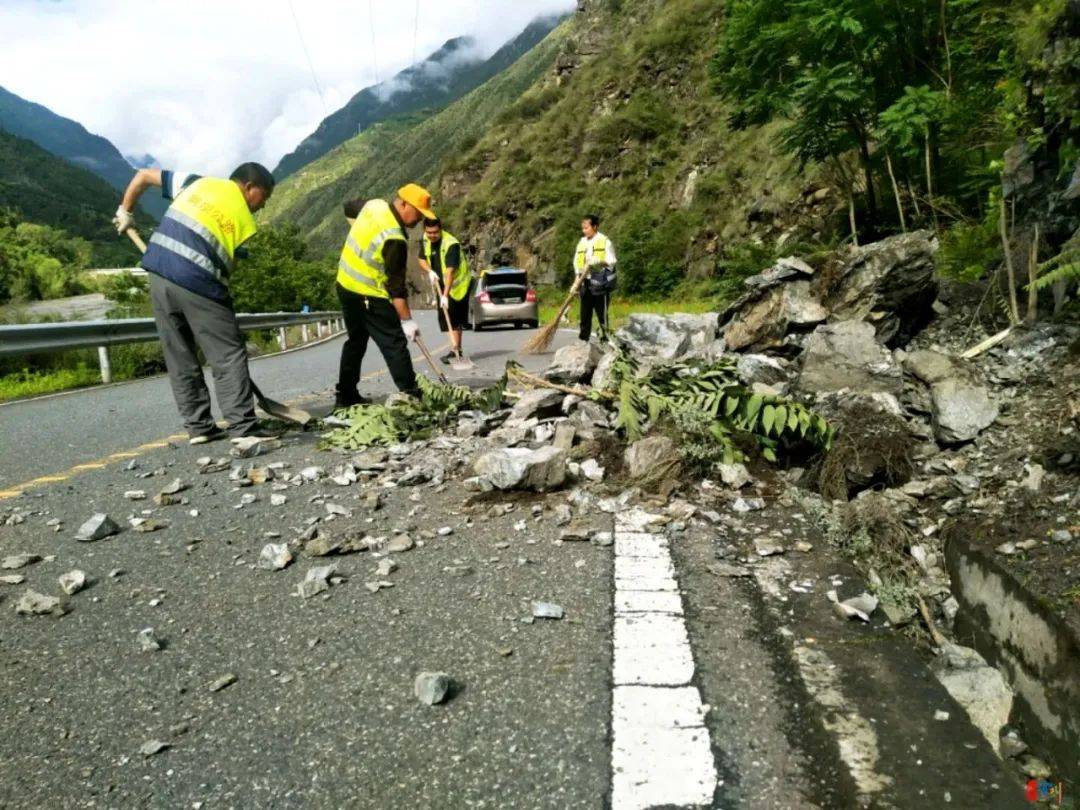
{"x":444,"y":302}
{"x":411,"y":330}
{"x":123,"y":219}
{"x":435,"y":278}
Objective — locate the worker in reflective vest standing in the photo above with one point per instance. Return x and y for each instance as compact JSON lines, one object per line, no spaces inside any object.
{"x":443,"y":258}
{"x":595,"y":258}
{"x":372,"y":291}
{"x":189,"y":258}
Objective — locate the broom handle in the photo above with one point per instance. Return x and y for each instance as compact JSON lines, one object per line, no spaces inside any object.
{"x":445,"y":311}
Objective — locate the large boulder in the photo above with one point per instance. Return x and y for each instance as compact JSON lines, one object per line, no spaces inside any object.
{"x":960,"y":406}
{"x":522,"y":468}
{"x":890,"y":283}
{"x":763,"y":316}
{"x":848,"y":355}
{"x":651,"y":457}
{"x":663,"y":338}
{"x":574,"y":363}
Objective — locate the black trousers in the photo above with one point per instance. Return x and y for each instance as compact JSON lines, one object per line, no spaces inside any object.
{"x":593,"y":302}
{"x":377,"y":319}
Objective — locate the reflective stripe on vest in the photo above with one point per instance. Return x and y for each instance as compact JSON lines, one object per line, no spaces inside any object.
{"x":460,"y":286}
{"x":599,"y":252}
{"x":195,"y":244}
{"x":361,"y":268}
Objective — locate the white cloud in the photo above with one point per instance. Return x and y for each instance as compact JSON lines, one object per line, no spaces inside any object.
{"x":204,"y":85}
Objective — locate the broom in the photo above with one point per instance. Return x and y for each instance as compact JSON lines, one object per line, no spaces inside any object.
{"x":539,"y":343}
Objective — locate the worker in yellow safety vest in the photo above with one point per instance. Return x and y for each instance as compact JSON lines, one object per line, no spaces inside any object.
{"x":189,"y":258}
{"x":372,"y":291}
{"x":594,"y":258}
{"x":443,"y":258}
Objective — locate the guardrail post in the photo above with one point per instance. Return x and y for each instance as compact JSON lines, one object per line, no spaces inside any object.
{"x":304,"y":335}
{"x":106,"y":366}
{"x":281,"y":338}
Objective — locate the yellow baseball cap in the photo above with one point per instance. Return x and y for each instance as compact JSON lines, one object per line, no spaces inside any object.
{"x":419,"y":198}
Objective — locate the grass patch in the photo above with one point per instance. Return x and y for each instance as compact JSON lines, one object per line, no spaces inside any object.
{"x":23,"y":384}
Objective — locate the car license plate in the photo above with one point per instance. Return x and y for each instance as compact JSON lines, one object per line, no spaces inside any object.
{"x":512,"y":300}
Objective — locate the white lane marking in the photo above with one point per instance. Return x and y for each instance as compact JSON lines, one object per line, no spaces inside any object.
{"x":661,"y":754}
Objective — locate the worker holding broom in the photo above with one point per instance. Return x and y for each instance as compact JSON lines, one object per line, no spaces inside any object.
{"x":441,"y":256}
{"x":372,"y":291}
{"x":594,"y":259}
{"x":189,"y":259}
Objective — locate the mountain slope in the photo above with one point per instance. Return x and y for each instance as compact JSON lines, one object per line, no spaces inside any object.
{"x":45,"y":189}
{"x":403,"y":149}
{"x":627,"y":127}
{"x":446,"y":75}
{"x":70,"y":140}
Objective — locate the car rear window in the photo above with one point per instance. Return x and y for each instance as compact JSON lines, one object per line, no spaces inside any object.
{"x":495,"y":279}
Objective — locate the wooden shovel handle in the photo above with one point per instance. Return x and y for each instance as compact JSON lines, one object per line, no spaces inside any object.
{"x":134,"y":236}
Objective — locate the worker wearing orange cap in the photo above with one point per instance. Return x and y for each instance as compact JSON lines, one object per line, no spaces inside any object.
{"x":371,"y":288}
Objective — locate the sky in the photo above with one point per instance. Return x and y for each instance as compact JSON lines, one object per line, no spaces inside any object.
{"x":206,"y":85}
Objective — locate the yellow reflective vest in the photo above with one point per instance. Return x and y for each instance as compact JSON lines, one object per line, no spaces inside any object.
{"x":195,"y":244}
{"x":361,"y":268}
{"x":459,"y":288}
{"x":599,"y":252}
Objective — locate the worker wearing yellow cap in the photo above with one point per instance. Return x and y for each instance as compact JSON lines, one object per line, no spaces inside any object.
{"x":371,"y":288}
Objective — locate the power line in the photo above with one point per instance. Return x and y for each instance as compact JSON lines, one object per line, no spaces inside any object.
{"x":311,"y":65}
{"x":374,"y":52}
{"x":415,"y":30}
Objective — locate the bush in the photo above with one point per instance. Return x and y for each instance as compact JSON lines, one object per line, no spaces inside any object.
{"x":644,"y":118}
{"x":277,"y":276}
{"x":652,"y":255}
{"x":969,"y":250}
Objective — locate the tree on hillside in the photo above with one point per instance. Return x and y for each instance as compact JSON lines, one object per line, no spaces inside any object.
{"x":889,"y":83}
{"x":278,"y":276}
{"x":39,"y":262}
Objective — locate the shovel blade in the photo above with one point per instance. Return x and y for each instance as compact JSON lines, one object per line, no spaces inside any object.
{"x":280,"y":410}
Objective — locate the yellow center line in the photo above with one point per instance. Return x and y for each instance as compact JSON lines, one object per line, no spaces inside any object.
{"x":98,"y":464}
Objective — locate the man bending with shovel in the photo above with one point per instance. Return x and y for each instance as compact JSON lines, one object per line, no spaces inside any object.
{"x":189,"y":259}
{"x":442,"y":257}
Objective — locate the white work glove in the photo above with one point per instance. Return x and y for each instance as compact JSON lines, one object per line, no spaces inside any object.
{"x":411,"y":330}
{"x":444,"y":301}
{"x":123,"y":219}
{"x":434,"y":278}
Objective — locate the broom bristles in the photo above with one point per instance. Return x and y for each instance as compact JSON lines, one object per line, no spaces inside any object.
{"x":539,"y":343}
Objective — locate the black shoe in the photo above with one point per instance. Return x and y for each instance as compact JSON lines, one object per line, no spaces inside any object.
{"x":340,"y":402}
{"x":212,"y":435}
{"x":448,"y":358}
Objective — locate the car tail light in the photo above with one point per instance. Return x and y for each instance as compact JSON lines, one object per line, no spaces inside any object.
{"x":484,"y":298}
{"x":530,"y":296}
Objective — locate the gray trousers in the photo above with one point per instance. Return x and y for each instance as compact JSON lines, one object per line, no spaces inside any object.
{"x":187,"y":321}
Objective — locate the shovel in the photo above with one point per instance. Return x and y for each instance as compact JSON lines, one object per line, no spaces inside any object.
{"x":460,"y":361}
{"x":431,"y":360}
{"x":276,"y":409}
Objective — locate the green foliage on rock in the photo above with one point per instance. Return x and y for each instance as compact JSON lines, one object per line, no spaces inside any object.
{"x":408,"y":419}
{"x":706,"y":400}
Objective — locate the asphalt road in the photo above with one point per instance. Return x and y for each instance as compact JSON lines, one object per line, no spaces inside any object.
{"x":50,"y":435}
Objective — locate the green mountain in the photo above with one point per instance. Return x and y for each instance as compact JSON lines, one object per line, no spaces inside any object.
{"x":626,"y":127}
{"x":446,"y":75}
{"x":70,"y":140}
{"x":403,"y":149}
{"x":45,"y":189}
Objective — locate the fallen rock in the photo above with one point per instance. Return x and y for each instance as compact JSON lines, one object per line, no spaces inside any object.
{"x":667,"y":337}
{"x":275,"y":556}
{"x":73,"y":581}
{"x":148,"y":642}
{"x":32,"y":603}
{"x":16,"y":561}
{"x":541,"y":403}
{"x":890,"y":283}
{"x":848,"y":355}
{"x":315,"y":581}
{"x":228,"y":679}
{"x":592,"y":470}
{"x":574,"y":363}
{"x":521,"y":468}
{"x":735,"y":475}
{"x":960,"y":410}
{"x":547,"y":610}
{"x":399,"y":544}
{"x":152,"y":747}
{"x":760,"y":368}
{"x":251,"y":446}
{"x":761,"y":317}
{"x":97,"y":527}
{"x":768,"y":547}
{"x":12,"y":579}
{"x":602,"y":375}
{"x":431,"y":688}
{"x":857,"y":607}
{"x":652,"y":458}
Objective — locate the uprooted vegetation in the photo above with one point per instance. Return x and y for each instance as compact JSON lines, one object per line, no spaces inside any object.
{"x":871,"y":450}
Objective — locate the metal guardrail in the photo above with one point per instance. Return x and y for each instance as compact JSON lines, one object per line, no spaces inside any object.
{"x":37,"y":338}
